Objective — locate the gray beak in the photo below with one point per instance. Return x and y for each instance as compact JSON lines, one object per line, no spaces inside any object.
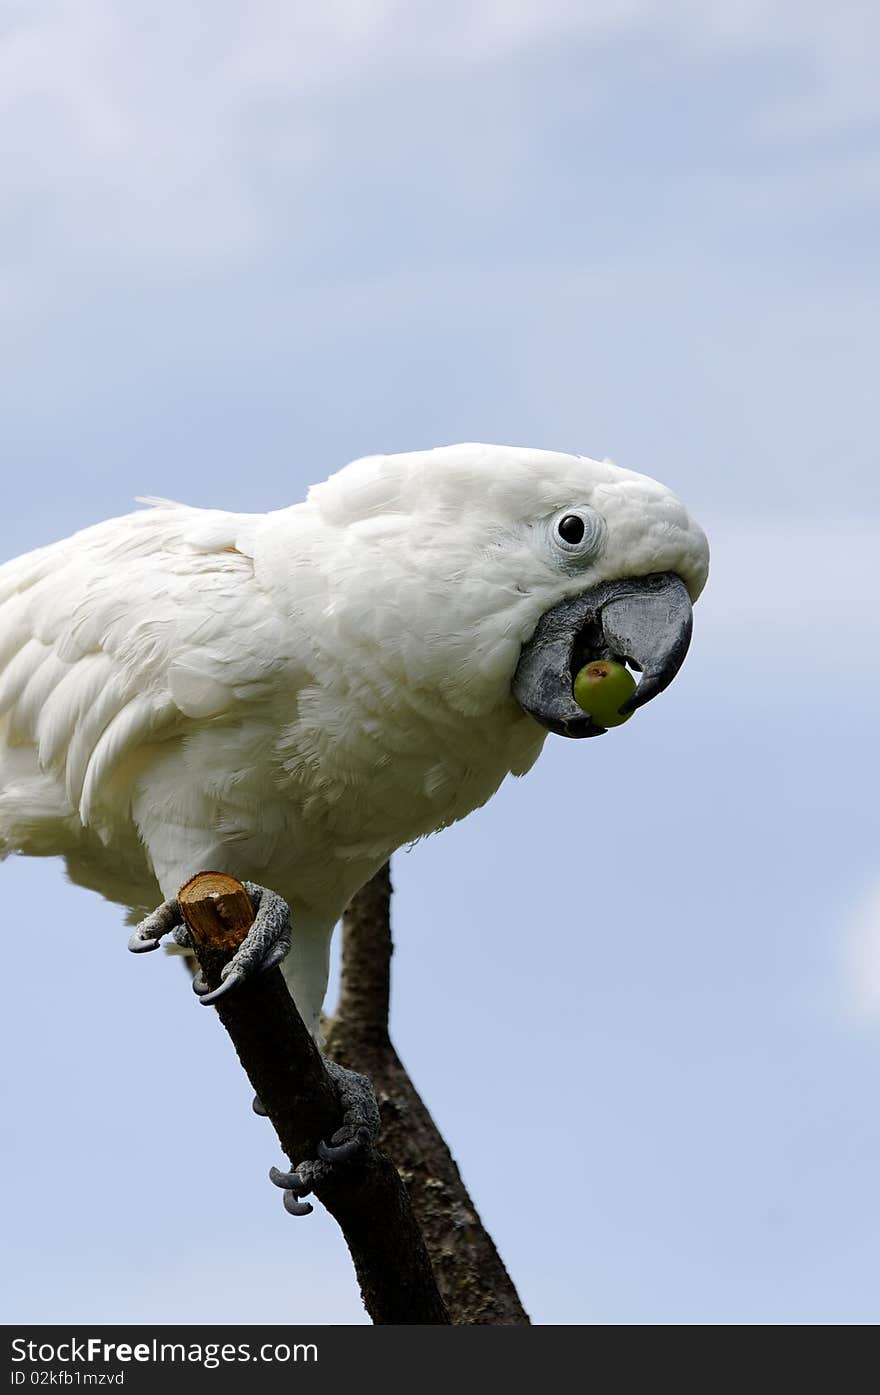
{"x":644,"y":620}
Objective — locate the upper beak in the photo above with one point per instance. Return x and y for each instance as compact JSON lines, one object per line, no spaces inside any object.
{"x":644,"y":620}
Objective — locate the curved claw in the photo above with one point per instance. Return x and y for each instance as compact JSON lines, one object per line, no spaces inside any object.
{"x":141,"y":944}
{"x":294,"y":1188}
{"x":274,"y":957}
{"x":257,"y":1107}
{"x":231,"y":981}
{"x":289,"y":1181}
{"x":147,"y":935}
{"x":296,"y":1208}
{"x":341,"y":1152}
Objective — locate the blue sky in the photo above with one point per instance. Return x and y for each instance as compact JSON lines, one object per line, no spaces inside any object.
{"x":240,"y":245}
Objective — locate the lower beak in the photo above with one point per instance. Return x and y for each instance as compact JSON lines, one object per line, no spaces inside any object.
{"x":645,"y":621}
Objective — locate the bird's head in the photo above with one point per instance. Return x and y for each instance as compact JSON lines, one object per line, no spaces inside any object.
{"x":496,"y":572}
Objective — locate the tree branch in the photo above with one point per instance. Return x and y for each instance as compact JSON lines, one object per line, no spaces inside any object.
{"x":470,"y":1273}
{"x":367,"y":1199}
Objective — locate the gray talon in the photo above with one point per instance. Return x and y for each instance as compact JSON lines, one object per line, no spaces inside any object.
{"x":294,"y":1187}
{"x":162,"y":921}
{"x":296,"y":1208}
{"x":341,"y":1152}
{"x":229,"y":981}
{"x":139,"y":944}
{"x":257,"y":1107}
{"x":289,"y":1181}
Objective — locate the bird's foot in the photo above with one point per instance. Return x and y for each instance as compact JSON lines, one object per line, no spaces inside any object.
{"x":265,"y":944}
{"x":359,"y":1128}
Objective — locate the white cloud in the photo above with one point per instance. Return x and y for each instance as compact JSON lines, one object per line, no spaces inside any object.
{"x":860,"y":960}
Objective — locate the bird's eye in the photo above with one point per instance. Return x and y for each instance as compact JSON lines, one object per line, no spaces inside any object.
{"x":578,"y":533}
{"x":571,"y":528}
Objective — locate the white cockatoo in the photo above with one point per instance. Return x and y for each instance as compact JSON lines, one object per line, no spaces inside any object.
{"x":290,"y":696}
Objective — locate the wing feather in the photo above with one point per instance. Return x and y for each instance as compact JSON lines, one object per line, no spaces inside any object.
{"x":122,"y":636}
{"x":18,"y":673}
{"x":68,"y":704}
{"x":129,"y":727}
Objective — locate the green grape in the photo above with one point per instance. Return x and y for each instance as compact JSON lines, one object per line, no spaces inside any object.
{"x":601,"y":688}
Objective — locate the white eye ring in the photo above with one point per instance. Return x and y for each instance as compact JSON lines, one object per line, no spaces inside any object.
{"x":577,"y":532}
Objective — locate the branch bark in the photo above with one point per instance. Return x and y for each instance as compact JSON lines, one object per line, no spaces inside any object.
{"x":368,"y":1200}
{"x":470,"y":1273}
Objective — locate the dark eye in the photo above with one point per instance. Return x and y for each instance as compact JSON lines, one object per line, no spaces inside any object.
{"x":577,"y":536}
{"x":571,"y":529}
